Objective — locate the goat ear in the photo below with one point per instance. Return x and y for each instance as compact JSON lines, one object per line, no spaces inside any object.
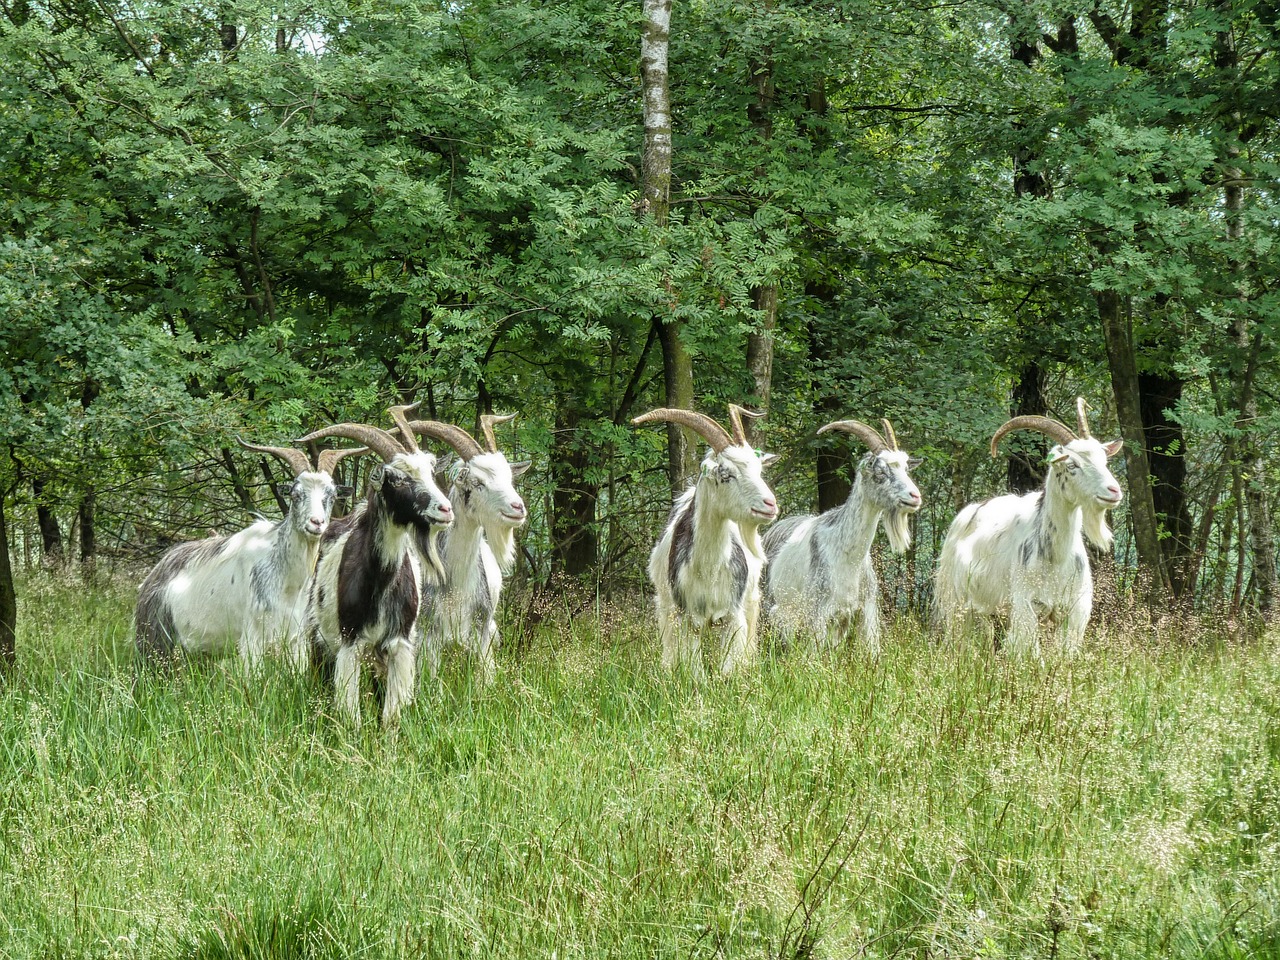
{"x":1057,"y":455}
{"x":284,"y":490}
{"x":520,"y":467}
{"x":768,"y":459}
{"x":345,"y":491}
{"x":375,"y":477}
{"x":1112,"y":448}
{"x":913,"y":462}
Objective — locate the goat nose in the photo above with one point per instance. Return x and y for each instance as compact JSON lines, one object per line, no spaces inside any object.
{"x":1114,"y":490}
{"x":770,"y":502}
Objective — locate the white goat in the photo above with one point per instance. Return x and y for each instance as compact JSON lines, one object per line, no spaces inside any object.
{"x":1024,"y":556}
{"x":706,"y":566}
{"x":246,"y":591}
{"x":820,"y":575}
{"x":476,"y":551}
{"x":368,"y":584}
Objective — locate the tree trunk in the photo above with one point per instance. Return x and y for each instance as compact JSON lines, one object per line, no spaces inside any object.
{"x":677,"y":365}
{"x":8,"y":601}
{"x":50,"y":532}
{"x":764,"y":296}
{"x":1027,"y":451}
{"x":1166,"y":446}
{"x":574,"y":538}
{"x":1124,"y":383}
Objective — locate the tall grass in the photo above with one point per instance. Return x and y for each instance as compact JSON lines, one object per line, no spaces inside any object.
{"x":935,"y":802}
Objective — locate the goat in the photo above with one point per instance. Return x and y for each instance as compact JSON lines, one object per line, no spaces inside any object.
{"x":476,"y":551}
{"x":368,"y":584}
{"x":705,"y":568}
{"x":245,"y":591}
{"x":820,"y":576}
{"x":1024,"y":556}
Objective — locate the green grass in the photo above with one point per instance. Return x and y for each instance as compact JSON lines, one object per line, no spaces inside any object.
{"x":933,"y":803}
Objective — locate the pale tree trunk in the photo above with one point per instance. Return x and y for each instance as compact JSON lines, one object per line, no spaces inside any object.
{"x":655,"y":81}
{"x":764,"y":296}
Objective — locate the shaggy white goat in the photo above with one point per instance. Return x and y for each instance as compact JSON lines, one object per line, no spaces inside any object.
{"x":476,"y":551}
{"x":1024,"y":556}
{"x":706,"y":566}
{"x":368,"y":584}
{"x":820,"y":575}
{"x":247,"y":591}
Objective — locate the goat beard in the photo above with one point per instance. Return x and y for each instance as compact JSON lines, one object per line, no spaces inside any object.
{"x":1096,"y":530}
{"x":897,"y":527}
{"x":432,"y":566}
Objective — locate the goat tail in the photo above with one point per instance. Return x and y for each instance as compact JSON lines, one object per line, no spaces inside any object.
{"x":154,"y":630}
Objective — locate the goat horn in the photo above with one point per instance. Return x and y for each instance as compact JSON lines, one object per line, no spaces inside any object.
{"x":328,"y":459}
{"x":736,"y":413}
{"x":462,"y":442}
{"x":1052,"y":429}
{"x":891,"y":441}
{"x":298,"y":461}
{"x":487,"y":422}
{"x":866,"y":434}
{"x":1082,"y":407}
{"x":375,"y":438}
{"x":400,"y":415}
{"x":700,"y":423}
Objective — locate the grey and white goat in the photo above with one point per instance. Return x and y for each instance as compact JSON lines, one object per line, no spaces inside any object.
{"x":247,"y":591}
{"x":820,"y":576}
{"x":368,"y":585}
{"x":1024,"y":556}
{"x":476,"y":551}
{"x":706,"y":566}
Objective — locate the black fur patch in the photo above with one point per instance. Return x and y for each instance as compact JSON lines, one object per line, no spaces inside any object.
{"x":370,"y":589}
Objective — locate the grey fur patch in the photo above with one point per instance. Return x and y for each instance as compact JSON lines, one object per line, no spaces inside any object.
{"x":681,"y":552}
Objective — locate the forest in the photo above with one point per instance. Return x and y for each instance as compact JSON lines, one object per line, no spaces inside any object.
{"x":252,"y":220}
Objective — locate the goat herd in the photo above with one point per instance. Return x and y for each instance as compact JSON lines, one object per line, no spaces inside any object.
{"x":411,"y":562}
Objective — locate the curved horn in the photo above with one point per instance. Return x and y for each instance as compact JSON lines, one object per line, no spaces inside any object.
{"x":700,"y":423}
{"x":400,"y":415}
{"x":298,"y":461}
{"x":487,"y":422}
{"x":328,"y":459}
{"x":1081,"y":419}
{"x":736,"y":413}
{"x":375,"y":438}
{"x":1052,"y":429}
{"x":866,"y":434}
{"x":891,"y":441}
{"x":462,"y":442}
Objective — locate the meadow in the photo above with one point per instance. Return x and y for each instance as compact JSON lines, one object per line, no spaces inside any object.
{"x":934,"y":802}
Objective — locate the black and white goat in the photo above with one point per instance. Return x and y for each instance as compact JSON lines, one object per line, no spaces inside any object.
{"x":247,"y":591}
{"x":1024,"y":556}
{"x":706,"y":566}
{"x":476,"y":551}
{"x":820,"y":576}
{"x":368,"y":584}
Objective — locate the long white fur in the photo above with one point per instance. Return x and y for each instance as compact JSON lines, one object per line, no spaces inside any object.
{"x":246,"y":593}
{"x":476,"y":553}
{"x":820,"y":576}
{"x":1023,"y":557}
{"x":729,"y":502}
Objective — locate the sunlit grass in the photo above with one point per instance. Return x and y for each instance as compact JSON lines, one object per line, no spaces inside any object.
{"x":934,"y":802}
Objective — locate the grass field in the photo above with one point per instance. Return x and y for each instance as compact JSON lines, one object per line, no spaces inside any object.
{"x":933,"y":803}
